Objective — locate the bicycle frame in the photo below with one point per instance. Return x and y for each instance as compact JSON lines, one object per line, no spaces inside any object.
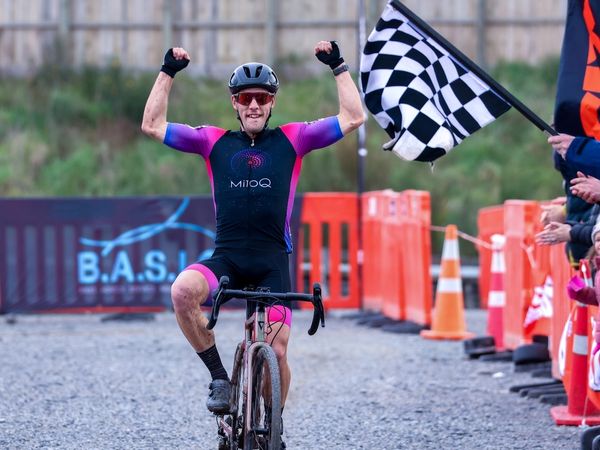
{"x":255,"y":339}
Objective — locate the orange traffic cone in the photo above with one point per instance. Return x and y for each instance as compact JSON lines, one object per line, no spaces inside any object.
{"x":579,"y":410}
{"x":497,"y":295}
{"x":448,"y":316}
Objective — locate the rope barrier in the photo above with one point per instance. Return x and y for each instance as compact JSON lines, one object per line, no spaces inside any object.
{"x":528,"y":249}
{"x":465,"y":236}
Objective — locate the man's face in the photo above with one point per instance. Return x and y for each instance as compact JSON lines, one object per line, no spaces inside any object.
{"x":253,"y":105}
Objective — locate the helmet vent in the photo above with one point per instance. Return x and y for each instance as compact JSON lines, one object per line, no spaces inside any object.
{"x":253,"y":75}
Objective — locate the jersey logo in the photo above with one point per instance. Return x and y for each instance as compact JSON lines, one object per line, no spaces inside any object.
{"x":263,"y":183}
{"x":249,"y":159}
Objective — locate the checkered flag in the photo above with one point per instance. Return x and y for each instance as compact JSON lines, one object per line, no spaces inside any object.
{"x":425,"y":98}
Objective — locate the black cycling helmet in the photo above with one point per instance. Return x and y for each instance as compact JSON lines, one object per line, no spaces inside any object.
{"x":253,"y":74}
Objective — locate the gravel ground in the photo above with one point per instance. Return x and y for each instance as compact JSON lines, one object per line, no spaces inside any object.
{"x":80,"y":382}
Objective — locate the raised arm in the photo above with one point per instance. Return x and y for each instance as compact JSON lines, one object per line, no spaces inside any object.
{"x":351,"y":114}
{"x":154,"y":122}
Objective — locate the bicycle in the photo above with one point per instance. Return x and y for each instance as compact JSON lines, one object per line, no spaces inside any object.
{"x":254,"y":418}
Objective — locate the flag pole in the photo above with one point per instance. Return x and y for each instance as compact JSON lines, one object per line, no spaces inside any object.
{"x":362,"y":155}
{"x":470,"y":65}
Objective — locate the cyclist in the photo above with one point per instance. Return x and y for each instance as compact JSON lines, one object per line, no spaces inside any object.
{"x":253,"y":174}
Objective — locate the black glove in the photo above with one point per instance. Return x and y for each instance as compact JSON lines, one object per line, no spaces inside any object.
{"x":332,"y":59}
{"x":171,"y":65}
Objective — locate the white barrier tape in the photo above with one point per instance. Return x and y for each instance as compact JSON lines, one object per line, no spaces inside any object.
{"x":580,"y":345}
{"x":528,"y":249}
{"x":496,"y":299}
{"x":529,"y":252}
{"x":449,"y":285}
{"x":465,"y":236}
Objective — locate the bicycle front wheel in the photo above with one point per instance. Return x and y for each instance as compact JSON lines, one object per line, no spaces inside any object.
{"x":264,"y":431}
{"x":237,"y":412}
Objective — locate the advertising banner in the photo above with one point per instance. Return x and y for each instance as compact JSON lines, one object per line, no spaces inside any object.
{"x":99,"y":254}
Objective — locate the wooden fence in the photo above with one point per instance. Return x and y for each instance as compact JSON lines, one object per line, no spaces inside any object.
{"x":219,"y":34}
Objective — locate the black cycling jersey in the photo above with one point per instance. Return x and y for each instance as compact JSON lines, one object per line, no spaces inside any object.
{"x":254,"y":180}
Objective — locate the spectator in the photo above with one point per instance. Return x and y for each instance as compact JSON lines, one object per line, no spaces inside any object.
{"x":571,"y":156}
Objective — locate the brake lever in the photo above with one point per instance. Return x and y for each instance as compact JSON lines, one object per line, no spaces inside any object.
{"x":318,"y":314}
{"x":214,"y":314}
{"x":321,"y":307}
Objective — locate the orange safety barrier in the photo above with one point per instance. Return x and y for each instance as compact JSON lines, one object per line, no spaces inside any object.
{"x":561,"y":272}
{"x":415,"y":216}
{"x":391,"y":267}
{"x":397,"y":254}
{"x":372,"y":239}
{"x":526,"y":266}
{"x":521,"y":223}
{"x":579,"y":409}
{"x":541,"y":257}
{"x":490,"y":221}
{"x":328,"y":242}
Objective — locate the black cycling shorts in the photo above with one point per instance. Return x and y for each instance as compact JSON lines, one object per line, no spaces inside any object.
{"x":246,"y":267}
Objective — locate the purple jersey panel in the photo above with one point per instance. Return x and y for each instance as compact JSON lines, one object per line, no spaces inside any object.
{"x":198,"y":140}
{"x":307,"y":136}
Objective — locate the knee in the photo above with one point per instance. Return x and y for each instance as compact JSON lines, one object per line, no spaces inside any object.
{"x":280,"y":349}
{"x":188,"y":293}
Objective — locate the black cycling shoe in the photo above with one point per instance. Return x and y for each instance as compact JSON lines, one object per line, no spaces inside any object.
{"x":218,"y":397}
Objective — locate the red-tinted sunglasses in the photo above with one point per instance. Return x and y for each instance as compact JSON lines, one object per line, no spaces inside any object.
{"x":245,"y":98}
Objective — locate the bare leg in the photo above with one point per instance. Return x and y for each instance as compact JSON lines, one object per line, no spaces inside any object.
{"x":279,"y":338}
{"x":188,"y":292}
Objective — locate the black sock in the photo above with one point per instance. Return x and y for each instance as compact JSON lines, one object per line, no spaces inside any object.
{"x":213,"y":363}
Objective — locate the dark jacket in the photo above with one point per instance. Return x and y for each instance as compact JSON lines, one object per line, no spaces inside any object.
{"x":581,"y":232}
{"x":578,"y":210}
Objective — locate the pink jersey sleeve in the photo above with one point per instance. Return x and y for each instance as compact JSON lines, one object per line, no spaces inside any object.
{"x":198,"y":140}
{"x":307,"y":136}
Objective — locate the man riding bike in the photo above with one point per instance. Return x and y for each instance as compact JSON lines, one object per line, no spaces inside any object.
{"x":253,"y":173}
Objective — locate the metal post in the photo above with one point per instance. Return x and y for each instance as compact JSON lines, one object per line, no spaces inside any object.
{"x":64,"y":26}
{"x":64,"y":18}
{"x":481,"y":33}
{"x":362,"y":151}
{"x":125,"y":33}
{"x":271,"y":32}
{"x":211,"y":40}
{"x":167,"y":25}
{"x":374,"y":11}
